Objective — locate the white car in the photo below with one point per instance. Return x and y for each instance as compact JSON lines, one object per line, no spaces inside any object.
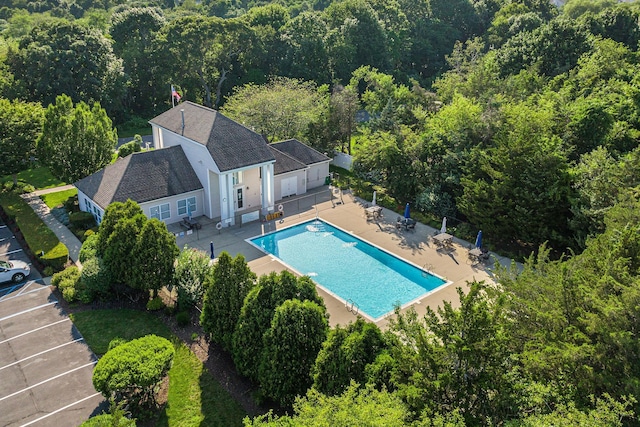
{"x":13,"y":271}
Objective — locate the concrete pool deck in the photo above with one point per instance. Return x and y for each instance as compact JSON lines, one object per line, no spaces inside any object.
{"x":349,"y":215}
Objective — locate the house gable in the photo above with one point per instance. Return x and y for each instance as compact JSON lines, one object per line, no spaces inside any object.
{"x":142,"y":177}
{"x":230,"y":144}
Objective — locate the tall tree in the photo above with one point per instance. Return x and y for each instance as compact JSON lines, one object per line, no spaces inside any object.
{"x":291,"y":346}
{"x":280,"y":109}
{"x":118,"y":253}
{"x":456,"y":358}
{"x":132,"y":30}
{"x":20,"y":127}
{"x":258,"y":311}
{"x":228,"y":283}
{"x":113,"y":214}
{"x":153,"y":257}
{"x":76,"y":141}
{"x":345,"y":354}
{"x":66,"y":58}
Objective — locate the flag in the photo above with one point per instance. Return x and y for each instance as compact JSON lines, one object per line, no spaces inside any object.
{"x":174,"y":94}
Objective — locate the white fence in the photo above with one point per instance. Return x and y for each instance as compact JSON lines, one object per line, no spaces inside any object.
{"x":344,"y":161}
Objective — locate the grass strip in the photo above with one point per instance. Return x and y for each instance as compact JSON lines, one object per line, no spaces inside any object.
{"x":195,"y":397}
{"x":39,"y":177}
{"x":38,"y":236}
{"x":59,"y":197}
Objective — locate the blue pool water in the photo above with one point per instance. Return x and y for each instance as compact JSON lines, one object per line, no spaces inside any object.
{"x":348,"y":267}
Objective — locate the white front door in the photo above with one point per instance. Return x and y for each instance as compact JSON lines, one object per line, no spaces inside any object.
{"x":289,"y":186}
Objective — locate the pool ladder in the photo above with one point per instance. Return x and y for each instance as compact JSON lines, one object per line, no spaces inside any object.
{"x":352,"y":306}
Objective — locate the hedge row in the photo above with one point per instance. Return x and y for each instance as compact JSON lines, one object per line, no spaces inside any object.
{"x":42,"y":242}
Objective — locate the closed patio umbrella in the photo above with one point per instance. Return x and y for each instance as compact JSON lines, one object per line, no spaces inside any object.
{"x":479,"y":240}
{"x":211,"y":246}
{"x":443,"y":229}
{"x":406,"y":211}
{"x":373,"y":202}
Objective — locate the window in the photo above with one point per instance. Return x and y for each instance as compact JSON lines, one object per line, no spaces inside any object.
{"x":186,"y":206}
{"x":237,"y":178}
{"x":161,"y":212}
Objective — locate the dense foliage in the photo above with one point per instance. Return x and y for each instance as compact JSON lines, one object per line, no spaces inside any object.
{"x":130,"y":371}
{"x":227,"y":284}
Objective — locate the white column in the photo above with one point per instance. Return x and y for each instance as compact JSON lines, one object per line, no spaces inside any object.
{"x":268,"y":192}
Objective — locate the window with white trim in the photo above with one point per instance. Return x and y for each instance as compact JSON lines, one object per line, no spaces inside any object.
{"x":186,"y":206}
{"x":237,"y":178}
{"x":161,"y":212}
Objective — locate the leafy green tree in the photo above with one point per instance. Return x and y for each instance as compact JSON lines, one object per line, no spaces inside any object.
{"x":345,"y":355}
{"x":118,"y":253}
{"x":75,"y":141}
{"x":132,"y":30}
{"x":607,"y":413}
{"x":306,"y":54}
{"x":66,"y":58}
{"x":291,"y":346}
{"x":115,"y":418}
{"x":89,"y":249}
{"x":553,"y":48}
{"x":456,"y":358}
{"x":356,"y":37}
{"x":576,"y":8}
{"x":364,"y":407}
{"x":153,"y":257}
{"x":203,"y":53}
{"x":131,"y":371}
{"x":189,"y":276}
{"x":519,"y":189}
{"x":258,"y":311}
{"x":229,"y":282}
{"x":115,"y":212}
{"x":20,"y":127}
{"x":281,"y":109}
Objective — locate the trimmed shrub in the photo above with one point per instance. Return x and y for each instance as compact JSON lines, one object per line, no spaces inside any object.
{"x":70,"y":273}
{"x":89,"y":248}
{"x":130,"y":371}
{"x":82,"y":220}
{"x":116,"y":342}
{"x":155,"y":304}
{"x":129,"y":148}
{"x":67,"y":282}
{"x":96,"y":283}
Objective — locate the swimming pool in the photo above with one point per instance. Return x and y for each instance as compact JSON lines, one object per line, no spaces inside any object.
{"x":349,"y":268}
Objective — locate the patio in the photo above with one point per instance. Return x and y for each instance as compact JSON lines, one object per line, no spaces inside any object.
{"x":345,"y":211}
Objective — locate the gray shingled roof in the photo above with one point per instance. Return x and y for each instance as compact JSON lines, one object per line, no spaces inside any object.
{"x":285,"y":163}
{"x":142,"y":177}
{"x":300,"y":151}
{"x":231,"y":145}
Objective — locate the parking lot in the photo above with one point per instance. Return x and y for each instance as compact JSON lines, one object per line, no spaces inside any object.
{"x":10,"y":249}
{"x":45,"y":365}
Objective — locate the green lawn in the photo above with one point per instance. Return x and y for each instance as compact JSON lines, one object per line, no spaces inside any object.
{"x":54,"y":199}
{"x":39,"y":237}
{"x":130,"y":133}
{"x":39,"y":177}
{"x":195,"y":397}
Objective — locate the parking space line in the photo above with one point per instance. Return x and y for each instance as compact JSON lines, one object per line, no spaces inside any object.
{"x":27,"y":311}
{"x":7,"y":298}
{"x":27,"y":285}
{"x":42,"y":352}
{"x":11,"y":252}
{"x":8,"y":290}
{"x":47,"y":380}
{"x":35,"y":330}
{"x":3,"y":226}
{"x":60,"y":410}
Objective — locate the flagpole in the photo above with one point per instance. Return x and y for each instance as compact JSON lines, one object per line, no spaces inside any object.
{"x":173,"y":98}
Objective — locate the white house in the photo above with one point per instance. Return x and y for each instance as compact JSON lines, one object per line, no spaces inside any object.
{"x":205,"y":164}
